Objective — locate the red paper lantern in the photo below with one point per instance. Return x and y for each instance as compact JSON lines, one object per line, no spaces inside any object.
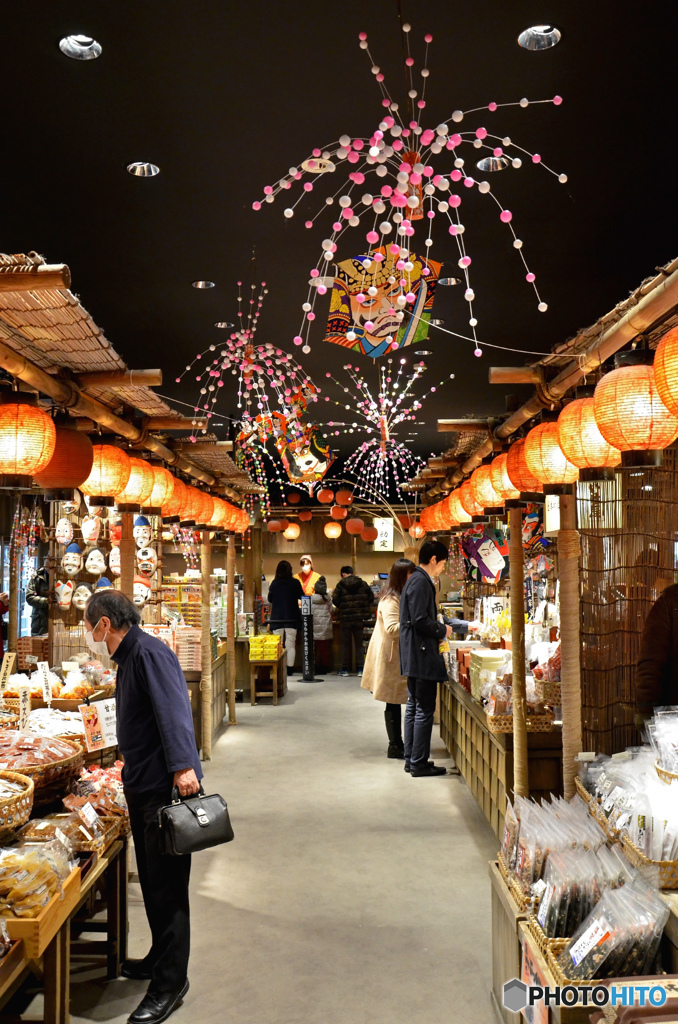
{"x":344,"y":497}
{"x":293,"y":497}
{"x":666,"y":370}
{"x":337,"y":512}
{"x":325,"y":495}
{"x":468,"y":500}
{"x":219,"y":513}
{"x":332,"y":530}
{"x":355,"y":526}
{"x":173,"y":509}
{"x":110,"y":472}
{"x":27,"y":435}
{"x":163,"y":485}
{"x":71,"y":462}
{"x":518,"y":471}
{"x":274,"y":526}
{"x":501,"y":481}
{"x":192,"y":505}
{"x":306,"y":516}
{"x":545,"y":458}
{"x":629,"y":411}
{"x":292,"y":531}
{"x":284,"y":523}
{"x":370,"y":534}
{"x":417,"y":531}
{"x":207,"y":508}
{"x":456,"y":510}
{"x":483,"y":491}
{"x":139,"y":485}
{"x":581,"y":440}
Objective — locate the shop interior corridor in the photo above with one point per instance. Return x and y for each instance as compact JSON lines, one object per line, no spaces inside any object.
{"x":352,"y":894}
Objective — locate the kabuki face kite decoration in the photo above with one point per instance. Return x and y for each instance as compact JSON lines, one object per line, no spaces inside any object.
{"x":400,"y":185}
{"x":364,"y":302}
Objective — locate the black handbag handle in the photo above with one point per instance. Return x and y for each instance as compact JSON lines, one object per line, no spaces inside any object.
{"x":177,"y":798}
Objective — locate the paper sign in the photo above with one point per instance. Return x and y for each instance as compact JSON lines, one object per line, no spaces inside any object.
{"x":32,"y":659}
{"x":89,"y":815}
{"x":99,"y":723}
{"x":595,"y":935}
{"x":43,"y":669}
{"x":6,"y":669}
{"x":68,"y":666}
{"x":384,"y":527}
{"x":24,"y":708}
{"x":58,"y":834}
{"x":533,"y":975}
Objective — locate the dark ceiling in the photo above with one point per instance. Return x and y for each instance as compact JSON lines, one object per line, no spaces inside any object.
{"x":224,"y":97}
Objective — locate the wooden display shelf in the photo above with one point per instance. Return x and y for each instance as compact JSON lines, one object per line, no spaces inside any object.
{"x":278,"y":678}
{"x":506,"y":955}
{"x":38,"y":932}
{"x":485,"y":759}
{"x":552,"y":1014}
{"x":12,"y":966}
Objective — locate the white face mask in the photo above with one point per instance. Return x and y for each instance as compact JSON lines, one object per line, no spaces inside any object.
{"x":96,"y":646}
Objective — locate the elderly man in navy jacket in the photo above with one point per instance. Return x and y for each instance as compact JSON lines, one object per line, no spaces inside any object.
{"x":156,"y":739}
{"x":420,"y":657}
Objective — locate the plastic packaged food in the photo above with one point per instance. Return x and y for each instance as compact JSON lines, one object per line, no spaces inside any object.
{"x":101,"y":787}
{"x":21,"y":750}
{"x":54,"y":826}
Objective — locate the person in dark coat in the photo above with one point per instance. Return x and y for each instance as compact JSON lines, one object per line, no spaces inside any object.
{"x":354,"y":601}
{"x":157,"y":742}
{"x":284,"y":595}
{"x":37,"y":596}
{"x":657,"y":670}
{"x":420,"y":657}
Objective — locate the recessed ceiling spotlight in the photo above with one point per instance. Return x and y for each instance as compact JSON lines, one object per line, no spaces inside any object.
{"x":448,"y":281}
{"x":141,"y":169}
{"x":493,"y":163}
{"x":437,"y":321}
{"x":203,"y":284}
{"x":80,"y":47}
{"x":223,"y":323}
{"x":422,"y":352}
{"x":539,"y":37}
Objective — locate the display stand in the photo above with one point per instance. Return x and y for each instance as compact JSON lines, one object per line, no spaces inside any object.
{"x":278,"y":679}
{"x":506,"y":960}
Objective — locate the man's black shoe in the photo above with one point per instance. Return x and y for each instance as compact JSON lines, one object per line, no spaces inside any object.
{"x":408,"y":769}
{"x":137,"y":970}
{"x":395,"y":751}
{"x":157,"y":1006}
{"x":427,"y":770}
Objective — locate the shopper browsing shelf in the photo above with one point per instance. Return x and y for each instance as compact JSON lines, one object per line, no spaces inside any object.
{"x":284,"y":595}
{"x":420,"y":657}
{"x":321,"y":606}
{"x":354,"y":600}
{"x":157,"y":743}
{"x":382,"y":665}
{"x":37,"y":596}
{"x":307,"y":575}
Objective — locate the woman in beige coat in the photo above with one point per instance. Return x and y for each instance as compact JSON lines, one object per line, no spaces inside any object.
{"x":381,"y":673}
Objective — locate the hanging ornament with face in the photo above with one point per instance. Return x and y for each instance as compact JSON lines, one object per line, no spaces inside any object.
{"x":64,"y":593}
{"x":91,"y":526}
{"x":115,"y":530}
{"x":103,"y":584}
{"x":95,"y":563}
{"x":114,"y":561}
{"x":95,"y":510}
{"x":70,"y":507}
{"x":64,"y":531}
{"x":147,"y":561}
{"x":81,"y":596}
{"x":142,"y":591}
{"x":71,"y":563}
{"x":142,"y":532}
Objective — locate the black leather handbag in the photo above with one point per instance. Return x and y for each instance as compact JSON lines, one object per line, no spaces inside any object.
{"x":193,"y":823}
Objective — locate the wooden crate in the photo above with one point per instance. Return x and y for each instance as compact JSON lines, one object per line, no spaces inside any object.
{"x":485,"y":759}
{"x":38,"y":932}
{"x":12,"y":965}
{"x":506,"y":957}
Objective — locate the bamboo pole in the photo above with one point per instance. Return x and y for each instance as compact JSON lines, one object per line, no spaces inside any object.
{"x":521,"y":786}
{"x":121,"y":378}
{"x":34,"y":278}
{"x":515,"y":375}
{"x":206,"y":648}
{"x":248,"y":575}
{"x":257,"y":564}
{"x":127,"y":555}
{"x":570,"y":648}
{"x":174,"y":423}
{"x":13,"y":617}
{"x":51,"y":577}
{"x":230,"y":627}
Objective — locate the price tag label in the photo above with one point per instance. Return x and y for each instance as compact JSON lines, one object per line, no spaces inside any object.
{"x":595,"y":935}
{"x":32,"y":659}
{"x":43,"y":669}
{"x":89,"y":815}
{"x":68,"y":666}
{"x":24,"y":708}
{"x":99,"y":722}
{"x":58,"y":834}
{"x":6,"y":669}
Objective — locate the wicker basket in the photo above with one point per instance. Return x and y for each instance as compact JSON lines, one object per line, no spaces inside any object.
{"x":668,"y":869}
{"x":550,"y":692}
{"x":664,"y":774}
{"x":583,"y":792}
{"x":53,"y":778}
{"x":597,"y":812}
{"x":539,"y":936}
{"x":534,"y":723}
{"x":8,"y":720}
{"x":110,"y":827}
{"x":15,"y":810}
{"x":553,"y":951}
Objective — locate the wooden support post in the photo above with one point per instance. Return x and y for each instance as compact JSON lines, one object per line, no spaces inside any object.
{"x":51,"y":575}
{"x":248,"y":573}
{"x":230,"y":627}
{"x":568,"y":572}
{"x":354,"y":553}
{"x":206,"y":648}
{"x":257,"y":564}
{"x":13,"y":618}
{"x":127,"y":555}
{"x":521,"y":785}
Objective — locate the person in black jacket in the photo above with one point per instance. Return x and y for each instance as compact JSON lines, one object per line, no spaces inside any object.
{"x":37,"y":596}
{"x":354,"y":601}
{"x":157,"y":742}
{"x":284,"y":595}
{"x":420,"y":657}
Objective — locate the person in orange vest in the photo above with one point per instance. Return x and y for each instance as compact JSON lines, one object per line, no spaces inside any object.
{"x":307,"y":576}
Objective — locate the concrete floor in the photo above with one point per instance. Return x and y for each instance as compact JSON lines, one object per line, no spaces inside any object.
{"x":352,"y":894}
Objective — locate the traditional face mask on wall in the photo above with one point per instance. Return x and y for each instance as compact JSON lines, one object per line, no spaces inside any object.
{"x":142,"y":591}
{"x":64,"y":593}
{"x":114,"y":561}
{"x":81,"y":596}
{"x":103,"y":584}
{"x":64,"y":531}
{"x":116,"y":532}
{"x":142,"y":532}
{"x":147,"y":561}
{"x":71,"y":563}
{"x":69,"y":507}
{"x":91,"y":526}
{"x":95,"y":564}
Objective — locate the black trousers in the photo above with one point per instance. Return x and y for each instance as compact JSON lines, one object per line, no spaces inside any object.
{"x":393,"y":719}
{"x":421,"y":706}
{"x":164,"y":886}
{"x":351,"y":632}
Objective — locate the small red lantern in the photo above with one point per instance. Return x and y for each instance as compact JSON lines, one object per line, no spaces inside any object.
{"x":325,"y":495}
{"x":405,"y":521}
{"x":292,"y":532}
{"x":274,"y":526}
{"x":337,"y":512}
{"x":293,"y":497}
{"x":355,"y":526}
{"x":173,"y":509}
{"x":332,"y":530}
{"x":518,"y":471}
{"x":70,"y":464}
{"x":370,"y":534}
{"x":163,"y":485}
{"x":545,"y":458}
{"x":417,"y":531}
{"x":344,"y":497}
{"x":306,"y":516}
